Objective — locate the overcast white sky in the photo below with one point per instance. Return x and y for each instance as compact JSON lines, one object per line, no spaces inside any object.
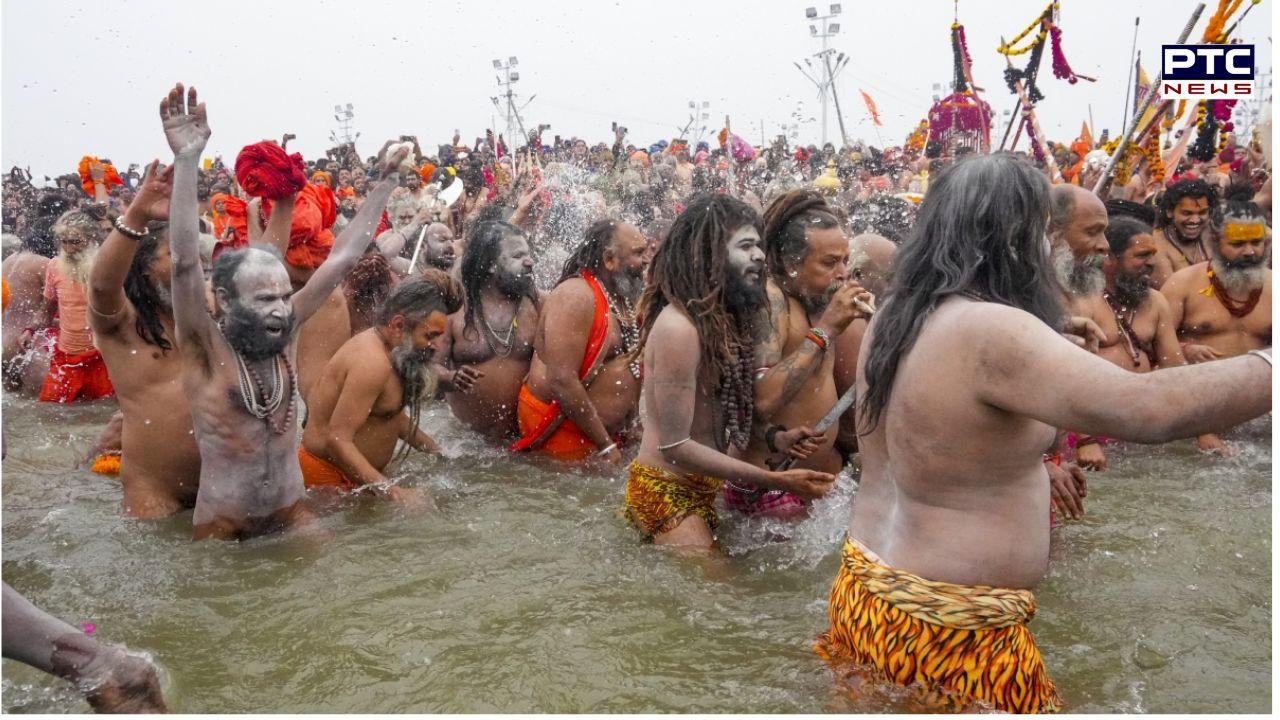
{"x":86,"y":77}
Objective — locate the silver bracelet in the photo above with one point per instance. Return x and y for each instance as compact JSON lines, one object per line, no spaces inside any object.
{"x":606,"y":451}
{"x":676,"y":444}
{"x":1262,"y":355}
{"x":128,"y":231}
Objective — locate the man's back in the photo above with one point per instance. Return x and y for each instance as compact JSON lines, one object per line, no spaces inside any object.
{"x":947,"y":490}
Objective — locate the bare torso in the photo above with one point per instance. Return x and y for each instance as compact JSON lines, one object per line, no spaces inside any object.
{"x":490,"y":406}
{"x":160,"y":461}
{"x":376,"y":439}
{"x":1206,"y":321}
{"x":815,"y":396}
{"x":1114,"y":346}
{"x":952,"y":489}
{"x":614,"y":391}
{"x":1172,"y":256}
{"x":320,"y":337}
{"x":705,"y":427}
{"x":250,"y":481}
{"x":24,"y":275}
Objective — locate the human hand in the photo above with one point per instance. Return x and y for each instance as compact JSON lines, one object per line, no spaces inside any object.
{"x":186,"y":126}
{"x":808,"y":484}
{"x":389,"y":162}
{"x":411,"y":498}
{"x":154,"y":191}
{"x":1210,"y":443}
{"x":1091,"y":457}
{"x":464,"y":378}
{"x":97,"y":172}
{"x":1195,"y":353}
{"x":1084,"y":332}
{"x":799,"y":442}
{"x":843,"y":308}
{"x":1067,"y":488}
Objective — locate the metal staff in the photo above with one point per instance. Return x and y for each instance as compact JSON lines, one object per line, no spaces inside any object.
{"x":1108,"y":175}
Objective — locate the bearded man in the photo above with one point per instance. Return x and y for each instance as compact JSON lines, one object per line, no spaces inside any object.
{"x":811,"y":305}
{"x":1077,"y":233}
{"x":962,"y":380}
{"x":1184,"y":212}
{"x":76,"y":370}
{"x":1222,"y":308}
{"x":489,"y":345}
{"x":238,"y":373}
{"x":439,"y":248}
{"x":583,"y":387}
{"x":1138,"y":330}
{"x":697,"y":314}
{"x":358,"y":410}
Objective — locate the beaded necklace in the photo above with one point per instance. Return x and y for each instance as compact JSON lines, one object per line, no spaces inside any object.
{"x":628,"y":327}
{"x":254,"y":396}
{"x":506,"y":342}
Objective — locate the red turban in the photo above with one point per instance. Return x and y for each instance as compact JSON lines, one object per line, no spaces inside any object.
{"x":264,"y":170}
{"x":109,"y":177}
{"x":310,"y":237}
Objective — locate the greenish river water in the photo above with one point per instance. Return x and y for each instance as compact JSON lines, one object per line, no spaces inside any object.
{"x":527,"y":593}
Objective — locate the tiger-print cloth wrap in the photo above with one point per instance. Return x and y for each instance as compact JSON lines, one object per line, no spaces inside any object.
{"x":968,"y":644}
{"x":657,"y":500}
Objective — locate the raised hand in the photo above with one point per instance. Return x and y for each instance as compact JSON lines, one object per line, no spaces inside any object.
{"x":390,"y":162}
{"x":154,"y":192}
{"x":97,"y":172}
{"x":186,"y":126}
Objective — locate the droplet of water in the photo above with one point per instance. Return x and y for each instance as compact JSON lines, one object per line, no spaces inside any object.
{"x":147,"y":421}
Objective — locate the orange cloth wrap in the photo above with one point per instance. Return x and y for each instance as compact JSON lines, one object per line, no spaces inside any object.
{"x":109,"y":176}
{"x":318,"y":472}
{"x":107,"y":464}
{"x":79,"y":376}
{"x":310,"y":237}
{"x":568,"y":441}
{"x":956,"y":644}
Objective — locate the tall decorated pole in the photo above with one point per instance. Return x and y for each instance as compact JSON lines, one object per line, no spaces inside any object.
{"x":1108,"y":174}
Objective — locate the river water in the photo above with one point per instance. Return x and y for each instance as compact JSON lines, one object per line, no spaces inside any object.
{"x":527,"y":593}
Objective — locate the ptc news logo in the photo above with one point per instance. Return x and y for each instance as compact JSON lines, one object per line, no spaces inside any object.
{"x":1206,"y":72}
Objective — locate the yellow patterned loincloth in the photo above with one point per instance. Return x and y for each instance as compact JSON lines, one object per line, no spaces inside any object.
{"x":969,"y":643}
{"x":657,"y":500}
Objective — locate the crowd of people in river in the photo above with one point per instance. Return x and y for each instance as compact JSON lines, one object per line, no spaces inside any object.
{"x":734,"y":322}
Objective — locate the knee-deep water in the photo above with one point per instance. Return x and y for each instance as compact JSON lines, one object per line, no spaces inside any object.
{"x":526,"y":592}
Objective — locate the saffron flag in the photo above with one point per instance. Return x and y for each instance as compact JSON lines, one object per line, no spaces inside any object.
{"x":871,"y":107}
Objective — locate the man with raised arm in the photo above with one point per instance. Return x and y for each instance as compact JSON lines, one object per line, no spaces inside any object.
{"x":962,"y":380}
{"x":238,"y":371}
{"x":706,"y":287}
{"x":131,"y":314}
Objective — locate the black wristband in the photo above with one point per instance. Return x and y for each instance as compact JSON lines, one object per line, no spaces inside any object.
{"x":770,"y":434}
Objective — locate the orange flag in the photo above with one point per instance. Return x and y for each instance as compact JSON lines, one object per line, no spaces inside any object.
{"x":871,"y":107}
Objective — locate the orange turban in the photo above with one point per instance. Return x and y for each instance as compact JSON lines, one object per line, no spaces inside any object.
{"x":426,"y":171}
{"x":310,"y":236}
{"x":110,"y":177}
{"x":321,"y":175}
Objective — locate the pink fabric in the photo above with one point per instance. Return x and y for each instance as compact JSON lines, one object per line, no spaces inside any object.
{"x":1073,"y":438}
{"x":772,"y":504}
{"x":75,"y":336}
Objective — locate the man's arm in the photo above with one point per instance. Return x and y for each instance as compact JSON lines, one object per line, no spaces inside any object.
{"x":674,"y":376}
{"x":107,"y":301}
{"x":1022,"y":366}
{"x":360,"y":390}
{"x":416,"y":437}
{"x":186,"y":128}
{"x":567,"y":317}
{"x":279,"y":225}
{"x":350,"y":244}
{"x":1170,"y":354}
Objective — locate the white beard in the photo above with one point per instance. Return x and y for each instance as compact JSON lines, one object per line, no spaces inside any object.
{"x":76,"y":270}
{"x":1239,"y":280}
{"x":1079,"y":278}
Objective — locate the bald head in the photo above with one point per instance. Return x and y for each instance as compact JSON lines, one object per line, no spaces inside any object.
{"x":438,"y":247}
{"x":1065,"y":200}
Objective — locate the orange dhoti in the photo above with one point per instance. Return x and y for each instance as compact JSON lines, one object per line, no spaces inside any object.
{"x":78,"y":376}
{"x":960,"y":645}
{"x":566,"y":442}
{"x":318,"y":472}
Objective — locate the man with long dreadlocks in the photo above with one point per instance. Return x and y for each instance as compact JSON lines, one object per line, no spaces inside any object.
{"x":962,"y":379}
{"x":697,"y":315}
{"x":490,"y":341}
{"x":132,"y":319}
{"x":583,"y":388}
{"x":811,"y":305}
{"x":1222,"y":307}
{"x":238,"y":373}
{"x":357,"y":411}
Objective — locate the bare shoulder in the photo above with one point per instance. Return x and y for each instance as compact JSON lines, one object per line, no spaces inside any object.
{"x":673,"y":326}
{"x":573,"y":297}
{"x":1183,"y":280}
